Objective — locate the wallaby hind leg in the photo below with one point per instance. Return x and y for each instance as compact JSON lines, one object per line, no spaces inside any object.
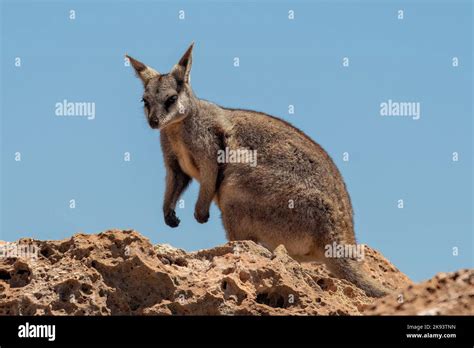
{"x":244,"y":227}
{"x":238,"y":221}
{"x":237,"y":226}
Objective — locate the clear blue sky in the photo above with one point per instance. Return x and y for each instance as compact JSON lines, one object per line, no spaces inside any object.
{"x":282,"y":62}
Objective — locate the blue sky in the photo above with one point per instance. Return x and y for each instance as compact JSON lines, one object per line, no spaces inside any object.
{"x":282,"y":62}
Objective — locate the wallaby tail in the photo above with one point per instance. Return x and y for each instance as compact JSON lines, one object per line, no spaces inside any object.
{"x":351,"y":270}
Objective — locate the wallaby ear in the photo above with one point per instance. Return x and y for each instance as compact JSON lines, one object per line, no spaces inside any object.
{"x":182,"y":70}
{"x":144,"y":72}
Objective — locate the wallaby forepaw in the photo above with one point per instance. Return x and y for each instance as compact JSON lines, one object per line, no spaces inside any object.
{"x":201,"y":217}
{"x":171,"y":219}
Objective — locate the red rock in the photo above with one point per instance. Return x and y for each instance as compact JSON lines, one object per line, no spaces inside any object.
{"x":121,"y":272}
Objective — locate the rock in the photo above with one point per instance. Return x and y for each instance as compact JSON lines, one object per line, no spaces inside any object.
{"x":121,"y":273}
{"x":444,"y":294}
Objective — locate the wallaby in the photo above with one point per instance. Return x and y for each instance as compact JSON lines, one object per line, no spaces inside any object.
{"x":290,"y":192}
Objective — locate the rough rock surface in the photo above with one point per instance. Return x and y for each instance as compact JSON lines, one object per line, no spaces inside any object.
{"x":444,"y":294}
{"x":122,"y":273}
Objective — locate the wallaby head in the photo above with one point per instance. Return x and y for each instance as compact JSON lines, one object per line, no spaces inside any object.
{"x":167,"y":98}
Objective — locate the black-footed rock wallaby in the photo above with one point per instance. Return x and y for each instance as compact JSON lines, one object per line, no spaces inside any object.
{"x":272,"y":183}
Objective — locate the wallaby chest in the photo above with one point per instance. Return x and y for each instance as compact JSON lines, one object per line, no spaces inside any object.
{"x":182,"y":151}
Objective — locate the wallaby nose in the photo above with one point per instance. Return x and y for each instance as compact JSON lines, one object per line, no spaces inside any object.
{"x":154,"y":123}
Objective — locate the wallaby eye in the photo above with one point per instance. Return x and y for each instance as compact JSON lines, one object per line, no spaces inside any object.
{"x":145,"y":102}
{"x":170,"y":101}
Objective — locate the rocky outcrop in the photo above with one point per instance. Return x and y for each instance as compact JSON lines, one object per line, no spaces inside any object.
{"x":122,"y":273}
{"x":444,"y":294}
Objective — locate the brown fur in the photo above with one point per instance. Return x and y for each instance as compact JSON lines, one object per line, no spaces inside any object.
{"x":254,"y":201}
